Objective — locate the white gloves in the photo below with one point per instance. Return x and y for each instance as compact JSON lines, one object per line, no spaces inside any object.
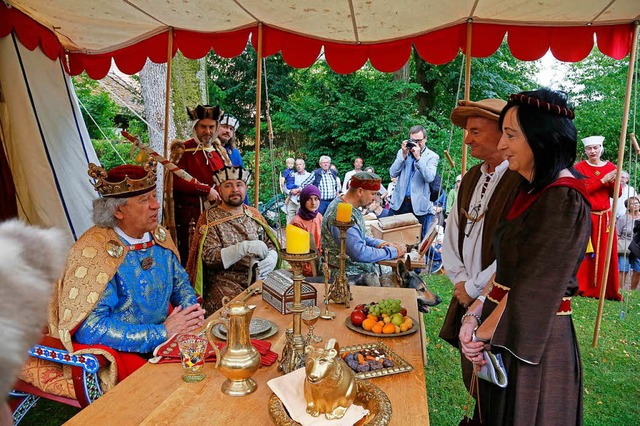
{"x":267,"y":265}
{"x":230,"y":255}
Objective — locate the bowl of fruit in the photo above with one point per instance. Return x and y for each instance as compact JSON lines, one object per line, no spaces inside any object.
{"x":386,"y":318}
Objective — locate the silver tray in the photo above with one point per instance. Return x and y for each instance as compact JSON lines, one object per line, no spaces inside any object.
{"x":273,"y":329}
{"x":257,"y":326}
{"x":400,"y":365}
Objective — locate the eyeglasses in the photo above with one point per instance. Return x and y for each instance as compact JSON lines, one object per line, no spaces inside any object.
{"x":473,"y":217}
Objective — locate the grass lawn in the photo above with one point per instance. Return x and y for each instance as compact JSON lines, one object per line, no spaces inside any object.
{"x":611,"y":390}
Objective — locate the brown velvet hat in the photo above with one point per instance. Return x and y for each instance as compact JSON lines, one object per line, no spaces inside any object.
{"x":486,"y":108}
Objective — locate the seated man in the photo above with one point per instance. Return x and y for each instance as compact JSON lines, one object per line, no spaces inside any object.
{"x":122,"y":275}
{"x":363,"y":251}
{"x":230,"y":237}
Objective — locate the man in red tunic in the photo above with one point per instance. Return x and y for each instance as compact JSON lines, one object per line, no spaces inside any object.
{"x":201,"y":156}
{"x":600,"y":181}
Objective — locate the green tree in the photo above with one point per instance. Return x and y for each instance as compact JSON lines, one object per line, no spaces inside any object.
{"x":597,"y":88}
{"x":98,"y":109}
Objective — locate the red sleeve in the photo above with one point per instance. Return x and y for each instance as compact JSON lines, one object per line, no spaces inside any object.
{"x":190,"y":165}
{"x":181,"y":185}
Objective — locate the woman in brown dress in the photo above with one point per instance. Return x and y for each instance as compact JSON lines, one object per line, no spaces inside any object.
{"x":526,"y":316}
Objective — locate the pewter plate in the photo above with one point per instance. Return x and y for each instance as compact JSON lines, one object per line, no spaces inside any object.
{"x":399,"y":364}
{"x":257,"y":326}
{"x":361,"y":330}
{"x":273,"y":329}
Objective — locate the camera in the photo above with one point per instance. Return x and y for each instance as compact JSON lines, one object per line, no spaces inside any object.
{"x":410,"y":144}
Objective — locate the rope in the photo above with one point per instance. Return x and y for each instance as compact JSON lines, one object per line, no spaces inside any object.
{"x":101,"y":131}
{"x":446,"y":172}
{"x":126,"y":105}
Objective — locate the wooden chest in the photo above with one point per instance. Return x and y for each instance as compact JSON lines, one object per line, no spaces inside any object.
{"x":402,"y":229}
{"x":277,"y":290}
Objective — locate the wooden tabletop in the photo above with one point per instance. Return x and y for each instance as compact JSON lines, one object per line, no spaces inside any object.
{"x":156,"y":394}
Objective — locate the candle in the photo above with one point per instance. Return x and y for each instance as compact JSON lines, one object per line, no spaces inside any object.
{"x":344,"y":212}
{"x":298,"y":241}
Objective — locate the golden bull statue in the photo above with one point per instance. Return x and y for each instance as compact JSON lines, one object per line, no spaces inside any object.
{"x":330,"y":385}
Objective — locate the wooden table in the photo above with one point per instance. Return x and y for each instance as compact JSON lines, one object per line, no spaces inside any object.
{"x":156,"y":394}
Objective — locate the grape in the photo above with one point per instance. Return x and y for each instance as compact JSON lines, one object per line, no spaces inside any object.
{"x":387,"y":363}
{"x":375,"y":365}
{"x":363,"y":368}
{"x":353,"y":365}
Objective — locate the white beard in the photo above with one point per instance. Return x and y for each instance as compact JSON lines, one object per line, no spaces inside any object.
{"x":31,"y":261}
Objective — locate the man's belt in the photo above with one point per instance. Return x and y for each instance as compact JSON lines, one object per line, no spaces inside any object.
{"x":498,"y":291}
{"x":601,"y":212}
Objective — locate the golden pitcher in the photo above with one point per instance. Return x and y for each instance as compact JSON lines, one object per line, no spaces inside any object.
{"x":239,"y":360}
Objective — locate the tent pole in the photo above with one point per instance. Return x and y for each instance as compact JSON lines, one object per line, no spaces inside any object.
{"x":256,"y":168}
{"x":621,"y":146}
{"x":167,"y":96}
{"x":467,"y":88}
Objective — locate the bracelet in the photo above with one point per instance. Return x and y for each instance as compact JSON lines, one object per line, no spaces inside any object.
{"x":477,"y":317}
{"x":475,"y":338}
{"x":482,"y":298}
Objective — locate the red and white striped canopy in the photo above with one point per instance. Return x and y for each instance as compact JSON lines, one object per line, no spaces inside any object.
{"x":349,"y":32}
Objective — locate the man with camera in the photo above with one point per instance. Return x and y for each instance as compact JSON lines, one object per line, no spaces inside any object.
{"x":415,"y":167}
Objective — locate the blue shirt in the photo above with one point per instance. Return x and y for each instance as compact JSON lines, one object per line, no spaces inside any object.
{"x":363,"y":251}
{"x":130,"y":314}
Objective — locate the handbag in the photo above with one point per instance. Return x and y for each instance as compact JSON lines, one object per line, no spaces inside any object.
{"x":623,"y":246}
{"x":493,"y":370}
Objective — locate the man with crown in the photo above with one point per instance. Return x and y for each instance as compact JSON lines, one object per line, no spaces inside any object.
{"x":199,"y":156}
{"x":122,"y":277}
{"x":228,"y":128}
{"x":232,"y":240}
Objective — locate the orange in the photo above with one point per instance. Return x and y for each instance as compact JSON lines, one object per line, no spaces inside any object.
{"x":389,"y":328}
{"x":377,"y":328}
{"x":373,"y":317}
{"x":368,"y":324}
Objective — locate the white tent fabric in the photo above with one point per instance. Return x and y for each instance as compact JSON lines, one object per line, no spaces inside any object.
{"x":45,"y":139}
{"x":100,"y":25}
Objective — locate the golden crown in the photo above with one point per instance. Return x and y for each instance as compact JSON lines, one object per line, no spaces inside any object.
{"x":125,"y":180}
{"x":231,"y":173}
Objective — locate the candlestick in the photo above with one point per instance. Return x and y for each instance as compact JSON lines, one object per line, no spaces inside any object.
{"x":293,"y":352}
{"x":340,"y":291}
{"x":343,"y":214}
{"x":298,"y":241}
{"x":328,"y":315}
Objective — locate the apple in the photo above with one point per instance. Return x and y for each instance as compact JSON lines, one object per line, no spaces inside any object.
{"x":357,"y":317}
{"x":403,"y":311}
{"x":360,"y":307}
{"x":397,"y":319}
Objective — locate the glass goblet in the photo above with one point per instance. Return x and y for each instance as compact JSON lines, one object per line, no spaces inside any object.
{"x":310,"y":316}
